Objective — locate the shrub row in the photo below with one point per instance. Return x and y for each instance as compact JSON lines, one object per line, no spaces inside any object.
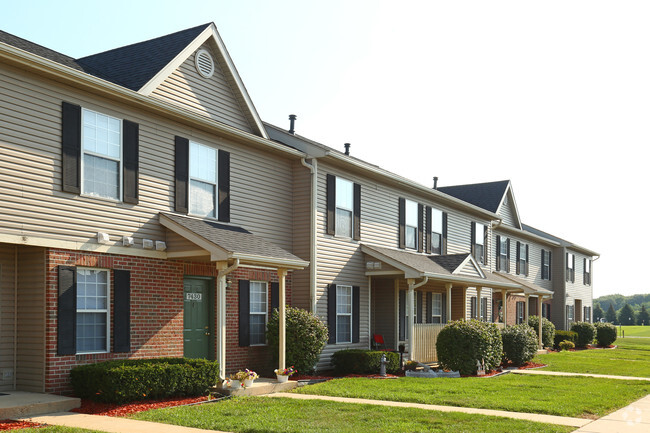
{"x":561,"y":336}
{"x":586,"y":333}
{"x":357,"y":361}
{"x":138,"y":379}
{"x":519,"y":343}
{"x":548,"y":329}
{"x":462,"y":345}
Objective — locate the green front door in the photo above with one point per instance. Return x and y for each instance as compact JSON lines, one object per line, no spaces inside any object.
{"x":197,"y":328}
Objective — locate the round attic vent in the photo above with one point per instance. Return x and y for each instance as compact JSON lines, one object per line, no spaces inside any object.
{"x":204,"y":63}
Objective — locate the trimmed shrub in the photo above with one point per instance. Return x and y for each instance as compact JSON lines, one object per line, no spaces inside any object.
{"x":605,"y":333}
{"x":306,"y":337}
{"x":463,"y":344}
{"x":566,"y":345}
{"x":561,"y":336}
{"x":357,"y":361}
{"x":519,"y":343}
{"x":586,"y":333}
{"x":548,"y":329}
{"x":140,"y":379}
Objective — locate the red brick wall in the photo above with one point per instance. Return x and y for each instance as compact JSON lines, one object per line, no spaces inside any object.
{"x":156,"y":312}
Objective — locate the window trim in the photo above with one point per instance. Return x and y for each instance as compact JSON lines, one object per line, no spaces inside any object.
{"x":433,"y":302}
{"x":120,"y":160}
{"x":520,"y":312}
{"x":586,"y":279}
{"x":350,"y":314}
{"x":435,"y":212}
{"x":251,"y":313}
{"x":504,"y":254}
{"x":407,"y":226}
{"x":337,"y":207}
{"x":476,"y":226}
{"x":570,"y":270}
{"x":546,"y":264}
{"x":107,"y":311}
{"x":522,"y":263}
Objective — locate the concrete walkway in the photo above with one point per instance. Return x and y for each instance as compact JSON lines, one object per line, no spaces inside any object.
{"x":634,"y":418}
{"x":548,"y":419}
{"x":562,"y":373}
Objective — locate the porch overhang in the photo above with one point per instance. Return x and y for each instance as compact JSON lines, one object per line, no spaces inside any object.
{"x":224,"y":242}
{"x":527,"y":287}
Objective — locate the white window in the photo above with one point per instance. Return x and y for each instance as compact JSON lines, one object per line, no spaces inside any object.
{"x":587,"y":274}
{"x":344,"y":314}
{"x":503,"y":254}
{"x":523,"y":257}
{"x":520,"y":306}
{"x":101,"y":139}
{"x":92,"y":310}
{"x":570,"y":267}
{"x":479,"y":240}
{"x":546,"y":265}
{"x":411,"y":224}
{"x":436,"y":308}
{"x":436,"y":231}
{"x":258,"y":312}
{"x":344,"y":207}
{"x":203,"y":180}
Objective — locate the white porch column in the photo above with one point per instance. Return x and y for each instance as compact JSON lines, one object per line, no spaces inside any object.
{"x":478,"y":302}
{"x":396,"y":324}
{"x":526,"y":309}
{"x":504,"y":302}
{"x":411,"y":313}
{"x":539,"y":314}
{"x":282,"y":273}
{"x":448,"y":286}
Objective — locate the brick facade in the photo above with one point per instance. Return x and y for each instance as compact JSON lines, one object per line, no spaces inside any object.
{"x":156,"y":312}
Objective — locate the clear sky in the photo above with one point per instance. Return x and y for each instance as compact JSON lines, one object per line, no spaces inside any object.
{"x":553,"y":95}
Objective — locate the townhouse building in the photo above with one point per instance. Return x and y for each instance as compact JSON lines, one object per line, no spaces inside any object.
{"x":148,"y":211}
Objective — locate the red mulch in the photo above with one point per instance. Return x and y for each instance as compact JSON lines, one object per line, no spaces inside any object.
{"x":114,"y":409}
{"x":9,"y":424}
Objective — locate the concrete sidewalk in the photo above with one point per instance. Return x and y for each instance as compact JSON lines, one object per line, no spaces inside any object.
{"x":634,"y":418}
{"x":562,"y":373}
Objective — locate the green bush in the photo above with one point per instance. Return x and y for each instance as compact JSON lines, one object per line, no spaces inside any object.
{"x":561,"y":336}
{"x":140,"y":379}
{"x":306,"y":337}
{"x":566,"y":345}
{"x":519,"y":343}
{"x":605,"y":333}
{"x":586,"y":333}
{"x":463,"y":344}
{"x":357,"y":361}
{"x":548,"y":329}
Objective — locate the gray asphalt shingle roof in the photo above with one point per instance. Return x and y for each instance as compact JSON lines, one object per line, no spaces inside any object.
{"x":484,"y":195}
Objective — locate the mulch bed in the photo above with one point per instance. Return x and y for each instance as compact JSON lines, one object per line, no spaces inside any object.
{"x":9,"y":424}
{"x":114,"y":409}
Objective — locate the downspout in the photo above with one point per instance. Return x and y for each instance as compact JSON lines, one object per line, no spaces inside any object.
{"x":221,"y":317}
{"x":313,"y":239}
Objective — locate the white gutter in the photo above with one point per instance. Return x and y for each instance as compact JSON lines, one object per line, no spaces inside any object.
{"x":313,"y":238}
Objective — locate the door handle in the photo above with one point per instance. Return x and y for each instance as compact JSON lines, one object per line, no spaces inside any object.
{"x":207,"y":333}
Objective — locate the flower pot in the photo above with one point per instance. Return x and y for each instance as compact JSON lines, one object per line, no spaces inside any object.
{"x":235,"y":384}
{"x":248,"y":383}
{"x":282,"y":378}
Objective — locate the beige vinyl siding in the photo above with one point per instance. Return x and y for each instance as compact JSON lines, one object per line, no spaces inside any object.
{"x":534,"y":259}
{"x":558,"y":306}
{"x":577,"y":289}
{"x":30,"y":173}
{"x":301,"y":234}
{"x":507,"y":213}
{"x":7,"y":314}
{"x":213,"y":97}
{"x":30,"y":353}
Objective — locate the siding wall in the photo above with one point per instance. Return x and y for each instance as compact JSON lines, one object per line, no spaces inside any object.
{"x":507,"y":213}
{"x":558,"y":309}
{"x":534,"y":258}
{"x":30,"y":173}
{"x":213,"y":97}
{"x":578,"y":290}
{"x":7,"y":314}
{"x":301,"y":233}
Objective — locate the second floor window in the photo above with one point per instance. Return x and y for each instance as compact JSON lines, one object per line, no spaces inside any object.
{"x":478,"y":234}
{"x":503,"y":254}
{"x":570,"y":267}
{"x":344,"y":207}
{"x":102,"y":155}
{"x":203,"y":180}
{"x":411,"y":224}
{"x":522,"y":259}
{"x":546,"y":265}
{"x":436,"y":231}
{"x":587,"y":273}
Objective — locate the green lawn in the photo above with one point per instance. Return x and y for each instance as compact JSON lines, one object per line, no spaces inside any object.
{"x":635,"y":331}
{"x":262,"y":414}
{"x":630,"y":358}
{"x":565,"y":396}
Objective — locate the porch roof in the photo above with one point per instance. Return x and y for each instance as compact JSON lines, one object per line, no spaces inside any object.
{"x":529,"y":288}
{"x":225,"y":241}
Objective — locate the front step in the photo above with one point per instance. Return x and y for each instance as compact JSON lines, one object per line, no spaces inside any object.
{"x":260,"y":387}
{"x":19,"y":404}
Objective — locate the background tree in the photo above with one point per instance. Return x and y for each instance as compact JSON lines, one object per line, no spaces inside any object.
{"x":610,"y":316}
{"x":598,"y":313}
{"x":643,"y":318}
{"x":626,"y":315}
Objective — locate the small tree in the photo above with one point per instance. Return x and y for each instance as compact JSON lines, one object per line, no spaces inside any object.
{"x":643,"y":318}
{"x":605,"y":334}
{"x":586,"y":333}
{"x":626,"y":315}
{"x":462,"y":344}
{"x":306,"y":337}
{"x":610,"y":316}
{"x":598,"y":313}
{"x":519,"y":343}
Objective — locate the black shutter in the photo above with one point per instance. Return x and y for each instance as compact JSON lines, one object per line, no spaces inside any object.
{"x":485,"y":245}
{"x":357,"y":212}
{"x":444,"y":234}
{"x":71,"y":147}
{"x":122,"y":311}
{"x":508,"y":255}
{"x":331,"y":313}
{"x":428,"y":229}
{"x":526,"y":271}
{"x":224,"y":186}
{"x":472,"y":238}
{"x":472,"y":307}
{"x":67,"y":311}
{"x":130,"y":168}
{"x":498,"y":260}
{"x":444,"y":308}
{"x":331,"y":204}
{"x":550,"y":264}
{"x":402,"y":315}
{"x":181,"y":173}
{"x":275,"y":296}
{"x":420,"y":227}
{"x":402,"y":222}
{"x":418,"y":312}
{"x":244,"y":312}
{"x":517,"y":257}
{"x":548,"y":311}
{"x":356,"y":313}
{"x":543,"y":262}
{"x":484,"y":309}
{"x":429,"y":309}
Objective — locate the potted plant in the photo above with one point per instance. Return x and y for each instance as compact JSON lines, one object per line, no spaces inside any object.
{"x":283,"y":375}
{"x":250,"y":377}
{"x":237,"y":380}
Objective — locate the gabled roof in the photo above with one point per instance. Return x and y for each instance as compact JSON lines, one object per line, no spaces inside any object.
{"x":484,"y":195}
{"x":39,"y":50}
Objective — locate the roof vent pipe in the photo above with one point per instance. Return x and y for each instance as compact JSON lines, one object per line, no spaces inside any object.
{"x":347,"y":148}
{"x":435,"y":182}
{"x":292,"y":120}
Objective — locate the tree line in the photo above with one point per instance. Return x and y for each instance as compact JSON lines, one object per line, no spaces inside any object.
{"x":625,"y":316}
